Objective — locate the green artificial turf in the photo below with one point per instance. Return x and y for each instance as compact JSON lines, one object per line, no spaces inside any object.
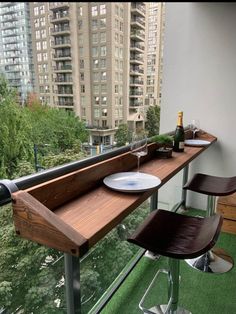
{"x":200,"y":293}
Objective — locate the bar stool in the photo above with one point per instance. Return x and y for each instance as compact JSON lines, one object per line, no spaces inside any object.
{"x":216,"y":260}
{"x":178,"y":237}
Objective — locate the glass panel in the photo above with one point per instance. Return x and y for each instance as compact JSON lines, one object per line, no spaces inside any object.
{"x":108,"y":258}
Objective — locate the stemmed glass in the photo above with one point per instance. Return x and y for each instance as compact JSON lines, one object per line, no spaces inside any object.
{"x":194,"y":126}
{"x":139,"y":145}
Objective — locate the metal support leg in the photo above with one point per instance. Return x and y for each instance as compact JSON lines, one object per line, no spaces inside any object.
{"x":153,"y":206}
{"x":184,"y":192}
{"x":216,"y":260}
{"x":182,"y":203}
{"x":72,"y":282}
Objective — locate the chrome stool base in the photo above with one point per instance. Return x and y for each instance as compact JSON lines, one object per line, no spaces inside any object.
{"x":216,"y":261}
{"x":160,"y":309}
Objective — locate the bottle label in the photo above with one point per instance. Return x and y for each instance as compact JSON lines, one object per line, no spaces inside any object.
{"x":181,"y":145}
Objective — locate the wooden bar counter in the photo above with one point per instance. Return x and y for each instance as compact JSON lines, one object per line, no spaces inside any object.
{"x":73,"y":212}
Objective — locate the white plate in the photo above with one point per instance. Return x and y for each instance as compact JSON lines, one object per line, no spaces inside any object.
{"x":131,"y":182}
{"x":196,"y":142}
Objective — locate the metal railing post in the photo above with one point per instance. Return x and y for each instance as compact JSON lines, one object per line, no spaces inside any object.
{"x":154,"y":201}
{"x":72,"y":284}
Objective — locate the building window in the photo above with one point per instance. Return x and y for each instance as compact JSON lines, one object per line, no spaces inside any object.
{"x":42,"y":9}
{"x":43,"y":33}
{"x":38,"y":45}
{"x":103,"y":88}
{"x":96,"y":76}
{"x":44,"y":45}
{"x":94,"y":51}
{"x":94,"y":24}
{"x":96,"y":112}
{"x":82,"y":76}
{"x":80,"y":11}
{"x":103,"y":76}
{"x":82,"y":88}
{"x":94,"y":11}
{"x":36,"y":23}
{"x":116,"y":24}
{"x":42,"y":21}
{"x":37,"y":34}
{"x":39,"y":57}
{"x":104,"y":100}
{"x":36,"y":11}
{"x":104,"y":123}
{"x":95,"y":38}
{"x":95,"y":63}
{"x":103,"y":51}
{"x":104,"y":112}
{"x":81,"y":63}
{"x":116,"y":89}
{"x":103,"y":37}
{"x":81,"y":51}
{"x":80,"y":24}
{"x":83,"y":111}
{"x":103,"y":22}
{"x":96,"y":89}
{"x":96,"y":100}
{"x":45,"y":56}
{"x":103,"y":63}
{"x":102,"y":9}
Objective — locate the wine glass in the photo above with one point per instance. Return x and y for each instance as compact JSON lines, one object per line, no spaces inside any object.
{"x":139,"y":145}
{"x":194,"y":126}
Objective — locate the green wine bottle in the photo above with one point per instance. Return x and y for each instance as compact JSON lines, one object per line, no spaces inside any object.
{"x":178,"y":142}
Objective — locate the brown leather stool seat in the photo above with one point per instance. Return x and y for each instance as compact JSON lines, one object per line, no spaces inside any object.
{"x":177,"y":237}
{"x":216,"y":260}
{"x":211,"y":185}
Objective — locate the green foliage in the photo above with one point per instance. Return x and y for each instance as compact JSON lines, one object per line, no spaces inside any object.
{"x":153,"y":120}
{"x":122,"y":135}
{"x":24,"y":280}
{"x":22,"y":127}
{"x":52,"y":160}
{"x":163,"y":139}
{"x":59,"y":128}
{"x":15,"y":144}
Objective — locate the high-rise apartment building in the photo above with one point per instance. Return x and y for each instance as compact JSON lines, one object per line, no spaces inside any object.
{"x":16,"y":61}
{"x":91,"y":57}
{"x":154,"y":52}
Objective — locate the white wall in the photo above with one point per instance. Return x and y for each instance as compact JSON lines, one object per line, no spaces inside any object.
{"x":200,"y":78}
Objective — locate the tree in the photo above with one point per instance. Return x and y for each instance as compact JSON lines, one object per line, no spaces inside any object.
{"x":153,"y":120}
{"x":15,"y":144}
{"x":122,"y":135}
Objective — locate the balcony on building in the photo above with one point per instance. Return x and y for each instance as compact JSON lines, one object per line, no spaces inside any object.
{"x":60,"y":15}
{"x":62,"y":67}
{"x":138,"y":9}
{"x":62,"y":41}
{"x":58,"y":5}
{"x":137,"y":22}
{"x":136,"y":47}
{"x":63,"y":28}
{"x":137,"y":35}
